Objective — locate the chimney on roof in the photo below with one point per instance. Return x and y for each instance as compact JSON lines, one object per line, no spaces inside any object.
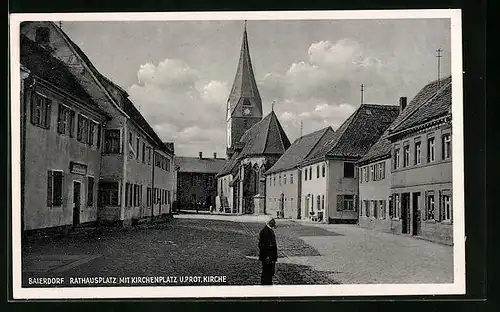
{"x":402,"y":103}
{"x":215,"y":155}
{"x":200,"y":154}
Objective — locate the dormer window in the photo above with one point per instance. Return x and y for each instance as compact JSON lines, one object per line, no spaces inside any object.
{"x":42,"y":35}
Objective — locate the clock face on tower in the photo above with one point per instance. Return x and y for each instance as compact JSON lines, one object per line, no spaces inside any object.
{"x":247,"y":112}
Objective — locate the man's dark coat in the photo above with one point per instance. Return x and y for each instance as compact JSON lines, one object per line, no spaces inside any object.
{"x":268,"y":254}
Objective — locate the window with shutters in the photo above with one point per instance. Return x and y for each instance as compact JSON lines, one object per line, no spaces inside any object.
{"x":323,"y":202}
{"x":367,"y":208}
{"x":55,"y":188}
{"x":291,"y":178}
{"x":382,"y":209}
{"x":90,"y":191}
{"x":396,"y":159}
{"x":91,"y":132}
{"x":82,"y":129}
{"x":418,"y":153}
{"x":318,"y":202}
{"x":446,"y":206}
{"x":372,"y":172}
{"x":63,"y":119}
{"x":347,"y":202}
{"x":431,"y":150}
{"x":112,"y":141}
{"x":430,"y":206}
{"x":109,"y":193}
{"x":406,"y":156}
{"x":284,"y":179}
{"x":323,"y":170}
{"x":130,"y":138}
{"x":310,"y":173}
{"x":149,"y":155}
{"x":348,"y":170}
{"x":40,"y":110}
{"x":317,"y":171}
{"x":305,"y":174}
{"x":446,"y":146}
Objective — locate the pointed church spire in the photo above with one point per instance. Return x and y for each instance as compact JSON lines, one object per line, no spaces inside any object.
{"x":244,"y":86}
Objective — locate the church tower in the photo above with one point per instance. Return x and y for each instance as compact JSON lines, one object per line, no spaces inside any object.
{"x":244,"y":105}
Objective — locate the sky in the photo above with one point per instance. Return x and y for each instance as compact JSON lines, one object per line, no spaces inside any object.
{"x":179,"y":73}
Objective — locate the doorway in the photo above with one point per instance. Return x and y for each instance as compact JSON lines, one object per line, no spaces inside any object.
{"x":415,"y":214}
{"x":405,"y":213}
{"x":76,"y":202}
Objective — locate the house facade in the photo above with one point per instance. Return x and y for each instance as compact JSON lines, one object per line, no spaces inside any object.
{"x":196,"y":181}
{"x":284,"y":179}
{"x":329,"y":186}
{"x":421,"y":165}
{"x":86,"y":149}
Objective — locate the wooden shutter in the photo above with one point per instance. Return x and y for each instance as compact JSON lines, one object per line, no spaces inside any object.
{"x":426,"y":203}
{"x":49,"y":188}
{"x":34,"y":109}
{"x":71,"y":124}
{"x":48,"y":109}
{"x":440,"y":212}
{"x":355,"y":202}
{"x":340,"y":202}
{"x":99,"y":134}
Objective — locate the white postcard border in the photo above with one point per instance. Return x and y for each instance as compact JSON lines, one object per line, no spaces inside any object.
{"x":457,"y":287}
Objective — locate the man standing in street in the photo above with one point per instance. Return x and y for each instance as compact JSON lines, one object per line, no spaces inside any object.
{"x":268,"y":252}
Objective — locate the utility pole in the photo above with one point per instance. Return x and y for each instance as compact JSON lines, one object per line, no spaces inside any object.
{"x":362,"y":92}
{"x":439,"y":56}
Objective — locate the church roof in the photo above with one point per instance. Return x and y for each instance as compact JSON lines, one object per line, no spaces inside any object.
{"x":299,"y":150}
{"x":228,"y":165}
{"x":244,"y":86}
{"x":357,"y":134}
{"x":199,"y":165}
{"x":382,"y":148}
{"x":266,"y":137}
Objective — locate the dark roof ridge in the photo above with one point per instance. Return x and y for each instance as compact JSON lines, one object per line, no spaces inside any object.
{"x":419,"y":105}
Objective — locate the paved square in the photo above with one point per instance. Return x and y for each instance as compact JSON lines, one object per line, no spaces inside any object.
{"x":208,"y":246}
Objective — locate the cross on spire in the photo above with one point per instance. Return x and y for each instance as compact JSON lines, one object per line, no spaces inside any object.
{"x":362,"y":92}
{"x":301,"y":127}
{"x":245,"y":25}
{"x":272,"y":105}
{"x":438,"y":56}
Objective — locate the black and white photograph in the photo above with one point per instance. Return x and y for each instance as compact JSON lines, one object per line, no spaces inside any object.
{"x":237,"y":154}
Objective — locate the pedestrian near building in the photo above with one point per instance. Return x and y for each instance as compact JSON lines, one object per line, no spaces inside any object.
{"x":268,"y":252}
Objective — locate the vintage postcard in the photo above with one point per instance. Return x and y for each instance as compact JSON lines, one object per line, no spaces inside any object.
{"x":237,"y":154}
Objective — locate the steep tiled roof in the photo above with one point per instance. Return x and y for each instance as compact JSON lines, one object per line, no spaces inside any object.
{"x":229,"y":165}
{"x":266,"y":137}
{"x":427,"y":104}
{"x":42,"y":64}
{"x":199,"y":165}
{"x":358,"y":133}
{"x":424,"y":95}
{"x":244,"y":85}
{"x":380,"y":150}
{"x":438,"y":106}
{"x":300,"y":148}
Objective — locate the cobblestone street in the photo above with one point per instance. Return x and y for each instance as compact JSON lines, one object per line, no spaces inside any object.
{"x":207,"y":246}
